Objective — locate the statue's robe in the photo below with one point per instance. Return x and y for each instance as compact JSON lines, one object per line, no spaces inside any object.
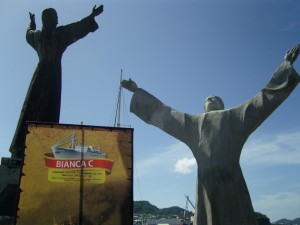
{"x":42,"y":102}
{"x":216,"y":140}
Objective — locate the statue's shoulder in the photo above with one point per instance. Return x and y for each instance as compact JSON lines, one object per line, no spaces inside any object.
{"x":60,"y":29}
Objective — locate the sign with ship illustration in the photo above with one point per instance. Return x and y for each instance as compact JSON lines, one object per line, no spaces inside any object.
{"x":67,"y":157}
{"x":76,"y":173}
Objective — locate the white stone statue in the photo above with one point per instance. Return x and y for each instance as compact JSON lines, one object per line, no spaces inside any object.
{"x":216,"y":139}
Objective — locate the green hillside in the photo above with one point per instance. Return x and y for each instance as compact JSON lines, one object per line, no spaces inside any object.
{"x":146,"y":208}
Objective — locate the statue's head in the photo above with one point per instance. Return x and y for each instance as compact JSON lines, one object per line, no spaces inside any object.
{"x":213,"y":103}
{"x":49,"y":18}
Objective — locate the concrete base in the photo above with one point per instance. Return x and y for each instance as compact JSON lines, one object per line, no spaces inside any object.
{"x":10,"y":171}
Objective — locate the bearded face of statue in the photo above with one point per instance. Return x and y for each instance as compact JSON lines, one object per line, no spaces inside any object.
{"x":213,"y":103}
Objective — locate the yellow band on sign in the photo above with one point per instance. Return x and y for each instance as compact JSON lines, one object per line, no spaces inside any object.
{"x":91,"y":175}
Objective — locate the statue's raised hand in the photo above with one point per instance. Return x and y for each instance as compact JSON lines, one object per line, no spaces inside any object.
{"x":130,"y":85}
{"x":97,"y":11}
{"x":292,"y":54}
{"x":32,"y":17}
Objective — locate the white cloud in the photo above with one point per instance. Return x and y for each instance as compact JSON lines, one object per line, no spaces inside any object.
{"x":185,"y":165}
{"x":165,"y":158}
{"x":278,"y":149}
{"x":283,"y":148}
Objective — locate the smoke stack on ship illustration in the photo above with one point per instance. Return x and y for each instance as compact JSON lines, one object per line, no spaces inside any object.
{"x":75,"y":150}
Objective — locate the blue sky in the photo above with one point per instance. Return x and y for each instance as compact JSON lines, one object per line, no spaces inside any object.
{"x":180,"y":51}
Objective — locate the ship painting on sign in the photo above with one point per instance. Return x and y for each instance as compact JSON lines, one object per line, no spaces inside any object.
{"x":75,"y":150}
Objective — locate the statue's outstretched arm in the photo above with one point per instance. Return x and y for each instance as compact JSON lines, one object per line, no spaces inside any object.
{"x":32,"y":17}
{"x":32,"y":25}
{"x":72,"y":32}
{"x":30,"y":32}
{"x":152,"y":111}
{"x":292,"y":54}
{"x":97,"y":11}
{"x":130,"y":85}
{"x":284,"y":80}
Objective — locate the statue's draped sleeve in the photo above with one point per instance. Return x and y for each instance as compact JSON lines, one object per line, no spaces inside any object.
{"x":154,"y":112}
{"x":254,"y":111}
{"x":68,"y":34}
{"x":31,"y":34}
{"x":245,"y":117}
{"x":74,"y":31}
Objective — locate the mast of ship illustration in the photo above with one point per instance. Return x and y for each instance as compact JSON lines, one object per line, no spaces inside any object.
{"x":73,"y":140}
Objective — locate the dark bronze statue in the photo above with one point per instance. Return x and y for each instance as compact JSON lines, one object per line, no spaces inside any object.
{"x":42,"y":102}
